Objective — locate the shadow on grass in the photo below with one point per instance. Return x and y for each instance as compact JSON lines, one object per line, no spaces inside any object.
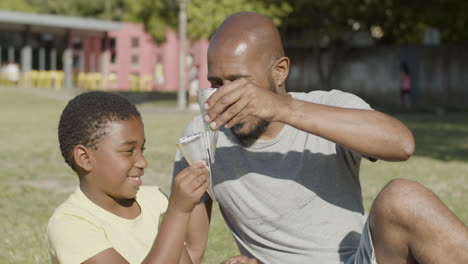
{"x":440,"y":137}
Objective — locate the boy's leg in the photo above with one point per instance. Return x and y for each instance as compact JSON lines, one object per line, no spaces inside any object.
{"x":410,"y":224}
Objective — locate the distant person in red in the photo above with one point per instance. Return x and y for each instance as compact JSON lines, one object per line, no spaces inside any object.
{"x":405,"y":87}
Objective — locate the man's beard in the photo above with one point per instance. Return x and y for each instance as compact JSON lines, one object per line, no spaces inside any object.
{"x":248,"y":138}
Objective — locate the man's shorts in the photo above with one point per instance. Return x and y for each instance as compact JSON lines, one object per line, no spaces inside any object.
{"x":365,"y":253}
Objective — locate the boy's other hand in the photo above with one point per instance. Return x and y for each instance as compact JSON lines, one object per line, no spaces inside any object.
{"x":188,"y":187}
{"x":240,"y":260}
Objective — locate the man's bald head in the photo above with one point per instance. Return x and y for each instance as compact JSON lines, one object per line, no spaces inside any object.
{"x":248,"y":31}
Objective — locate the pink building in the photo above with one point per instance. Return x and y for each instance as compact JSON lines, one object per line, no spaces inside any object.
{"x":131,"y":54}
{"x":96,"y":54}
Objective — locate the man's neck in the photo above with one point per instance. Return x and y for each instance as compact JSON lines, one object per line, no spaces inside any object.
{"x":272,"y":131}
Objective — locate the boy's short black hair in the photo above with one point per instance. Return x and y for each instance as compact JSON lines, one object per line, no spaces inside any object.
{"x":84,"y":119}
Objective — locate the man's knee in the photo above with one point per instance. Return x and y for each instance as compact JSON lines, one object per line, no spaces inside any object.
{"x":400,"y":201}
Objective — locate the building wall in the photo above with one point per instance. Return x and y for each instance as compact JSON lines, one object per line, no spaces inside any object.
{"x":151,"y":56}
{"x":438,"y":73}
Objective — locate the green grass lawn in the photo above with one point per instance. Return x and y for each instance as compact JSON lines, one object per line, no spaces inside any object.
{"x":34,"y":179}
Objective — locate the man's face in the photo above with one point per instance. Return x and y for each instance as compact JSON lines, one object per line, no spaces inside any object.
{"x":227,"y":63}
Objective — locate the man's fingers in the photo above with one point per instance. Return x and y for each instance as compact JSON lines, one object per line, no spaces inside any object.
{"x":239,"y":116}
{"x":225,"y":96}
{"x":225,"y":89}
{"x":233,"y":113}
{"x":222,"y":105}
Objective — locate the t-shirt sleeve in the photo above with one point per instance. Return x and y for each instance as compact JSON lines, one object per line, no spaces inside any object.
{"x":74,"y":240}
{"x":348,"y":100}
{"x":345,"y":100}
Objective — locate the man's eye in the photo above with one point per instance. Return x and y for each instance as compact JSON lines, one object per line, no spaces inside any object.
{"x":216,"y":84}
{"x":143,"y":149}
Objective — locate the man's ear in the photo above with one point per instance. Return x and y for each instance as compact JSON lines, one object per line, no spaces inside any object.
{"x":281,"y":71}
{"x":82,"y":157}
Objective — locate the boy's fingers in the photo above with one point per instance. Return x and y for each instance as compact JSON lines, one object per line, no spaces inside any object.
{"x":198,"y":181}
{"x":201,"y":189}
{"x":192,"y":169}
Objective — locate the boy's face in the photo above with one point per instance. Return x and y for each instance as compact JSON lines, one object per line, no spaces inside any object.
{"x":118,"y":162}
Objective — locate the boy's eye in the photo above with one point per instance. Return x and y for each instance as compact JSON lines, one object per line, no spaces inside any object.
{"x":143,"y":149}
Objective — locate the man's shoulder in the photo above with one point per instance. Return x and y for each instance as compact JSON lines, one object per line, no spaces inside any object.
{"x":333,"y":98}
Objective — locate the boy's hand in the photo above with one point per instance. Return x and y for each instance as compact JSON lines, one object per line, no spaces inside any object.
{"x":188,"y":187}
{"x":240,"y":260}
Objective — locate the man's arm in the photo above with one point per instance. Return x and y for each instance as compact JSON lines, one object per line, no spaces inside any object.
{"x":197,"y":234}
{"x":368,"y":132}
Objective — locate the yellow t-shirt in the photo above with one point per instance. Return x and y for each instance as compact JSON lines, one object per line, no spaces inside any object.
{"x":79,"y":229}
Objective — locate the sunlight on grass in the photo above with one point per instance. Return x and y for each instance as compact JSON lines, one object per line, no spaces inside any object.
{"x":35,"y":179}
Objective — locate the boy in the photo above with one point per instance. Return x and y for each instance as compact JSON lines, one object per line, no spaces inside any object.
{"x":111,"y":218}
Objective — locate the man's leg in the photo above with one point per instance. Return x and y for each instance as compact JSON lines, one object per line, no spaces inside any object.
{"x":410,"y":224}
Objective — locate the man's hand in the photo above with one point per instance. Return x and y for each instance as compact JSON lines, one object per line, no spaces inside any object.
{"x":239,"y":99}
{"x":240,"y":260}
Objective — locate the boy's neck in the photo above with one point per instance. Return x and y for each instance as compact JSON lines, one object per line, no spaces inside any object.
{"x":125,"y":208}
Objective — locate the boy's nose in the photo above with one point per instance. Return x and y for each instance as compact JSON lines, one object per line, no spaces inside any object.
{"x":141,"y":163}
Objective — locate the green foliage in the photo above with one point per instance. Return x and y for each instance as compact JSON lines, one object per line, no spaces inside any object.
{"x":106,"y":9}
{"x":18,"y":5}
{"x":205,"y":16}
{"x":156,"y":15}
{"x":324,"y":22}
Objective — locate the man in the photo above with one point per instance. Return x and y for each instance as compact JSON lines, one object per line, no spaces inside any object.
{"x":286,"y":174}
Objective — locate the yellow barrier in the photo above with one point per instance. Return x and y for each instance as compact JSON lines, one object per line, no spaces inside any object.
{"x":42,"y":79}
{"x":146,"y":82}
{"x":57,"y":79}
{"x":140,"y":83}
{"x":133,"y":80}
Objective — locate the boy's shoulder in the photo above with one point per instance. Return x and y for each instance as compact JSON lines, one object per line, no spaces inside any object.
{"x":76,"y":207}
{"x":79,"y":208}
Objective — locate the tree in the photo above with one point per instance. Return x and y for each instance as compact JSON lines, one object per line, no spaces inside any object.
{"x":324,"y":26}
{"x":19,"y":5}
{"x":203,"y":17}
{"x":157,"y":16}
{"x":106,"y":9}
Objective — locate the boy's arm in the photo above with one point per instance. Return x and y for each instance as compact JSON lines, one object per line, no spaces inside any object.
{"x":197,"y":234}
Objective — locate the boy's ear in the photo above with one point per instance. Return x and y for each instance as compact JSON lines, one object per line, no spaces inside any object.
{"x":82,"y":157}
{"x":281,"y":71}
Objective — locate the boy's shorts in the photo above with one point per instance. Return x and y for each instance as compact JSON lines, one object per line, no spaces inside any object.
{"x":365,"y":253}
